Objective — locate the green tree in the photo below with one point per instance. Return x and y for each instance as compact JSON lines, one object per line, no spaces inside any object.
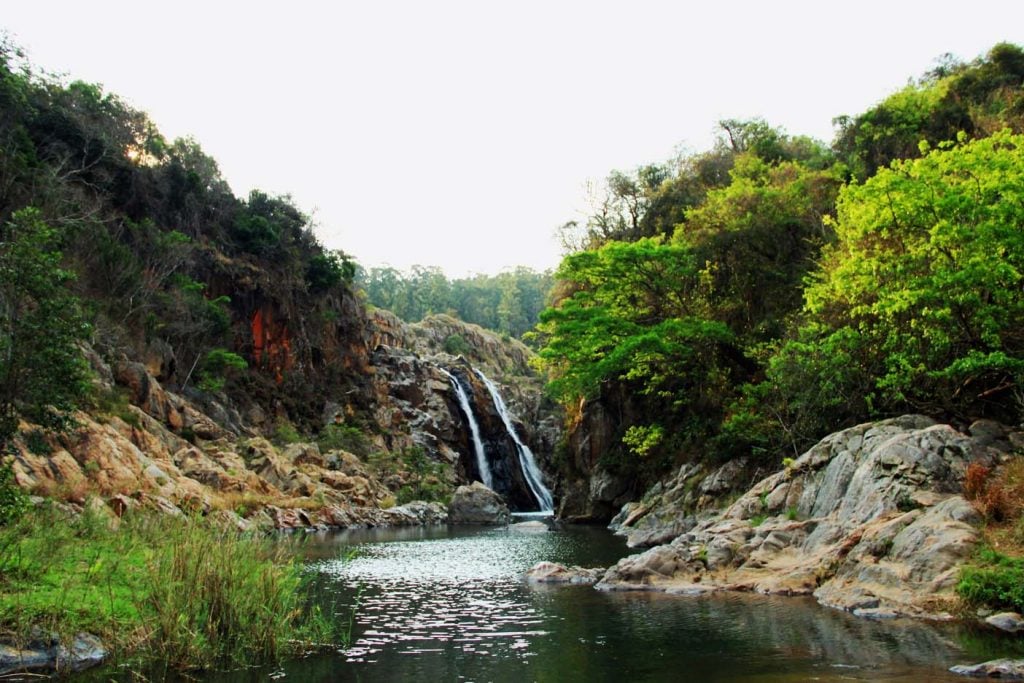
{"x":42,"y":371}
{"x":924,"y":288}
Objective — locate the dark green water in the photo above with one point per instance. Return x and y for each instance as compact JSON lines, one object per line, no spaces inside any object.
{"x":450,"y":605}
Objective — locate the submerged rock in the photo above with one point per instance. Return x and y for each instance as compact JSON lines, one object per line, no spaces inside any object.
{"x":477,"y":504}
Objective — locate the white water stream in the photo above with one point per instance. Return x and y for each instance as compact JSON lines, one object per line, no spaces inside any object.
{"x":531,"y":472}
{"x":478,"y":444}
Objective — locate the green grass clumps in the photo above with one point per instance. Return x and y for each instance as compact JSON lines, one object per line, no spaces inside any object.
{"x":995,"y":581}
{"x":179,"y":593}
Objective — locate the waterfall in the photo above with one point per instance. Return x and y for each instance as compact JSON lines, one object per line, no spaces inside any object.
{"x":531,"y":472}
{"x":474,"y":429}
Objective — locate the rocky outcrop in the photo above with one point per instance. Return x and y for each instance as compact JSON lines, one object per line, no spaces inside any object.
{"x":477,"y":504}
{"x":187,"y":451}
{"x":869,"y":520}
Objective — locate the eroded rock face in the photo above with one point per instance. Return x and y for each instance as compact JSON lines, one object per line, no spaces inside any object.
{"x":477,"y":504}
{"x":869,"y":520}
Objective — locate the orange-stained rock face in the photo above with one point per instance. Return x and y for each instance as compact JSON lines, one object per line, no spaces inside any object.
{"x":271,"y":343}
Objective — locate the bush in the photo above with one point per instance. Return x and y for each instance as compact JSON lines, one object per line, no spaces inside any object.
{"x":997,"y":581}
{"x":344,"y":437}
{"x":217,"y":365}
{"x":13,"y":501}
{"x":456,"y":345}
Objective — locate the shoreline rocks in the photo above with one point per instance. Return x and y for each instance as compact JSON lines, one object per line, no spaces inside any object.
{"x":554,"y":572}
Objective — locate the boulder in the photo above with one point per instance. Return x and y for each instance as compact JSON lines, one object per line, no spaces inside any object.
{"x":477,"y":504}
{"x":1006,"y":621}
{"x":553,"y":572}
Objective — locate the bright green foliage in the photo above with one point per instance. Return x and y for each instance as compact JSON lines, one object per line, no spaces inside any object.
{"x":979,"y":98}
{"x":996,"y":582}
{"x":42,"y":372}
{"x":636,"y":319}
{"x":641,"y":439}
{"x":13,"y":501}
{"x":757,"y":238}
{"x":923,"y":289}
{"x":217,"y":365}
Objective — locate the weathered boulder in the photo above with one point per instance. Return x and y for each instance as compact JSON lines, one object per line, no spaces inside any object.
{"x":477,"y":504}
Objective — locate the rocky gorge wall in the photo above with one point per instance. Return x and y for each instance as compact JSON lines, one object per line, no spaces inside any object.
{"x":180,"y":451}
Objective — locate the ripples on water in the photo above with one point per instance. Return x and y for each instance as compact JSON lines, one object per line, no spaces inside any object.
{"x":430,"y":595}
{"x":452,"y":605}
{"x":441,"y":604}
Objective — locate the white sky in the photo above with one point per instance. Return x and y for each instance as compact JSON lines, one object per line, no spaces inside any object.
{"x":461,"y":134}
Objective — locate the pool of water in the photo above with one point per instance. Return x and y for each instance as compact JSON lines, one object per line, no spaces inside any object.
{"x":451,"y":605}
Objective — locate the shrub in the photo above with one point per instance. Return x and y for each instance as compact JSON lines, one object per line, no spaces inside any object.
{"x":456,"y":345}
{"x":997,"y":581}
{"x":13,"y":501}
{"x":344,"y":437}
{"x":975,"y":480}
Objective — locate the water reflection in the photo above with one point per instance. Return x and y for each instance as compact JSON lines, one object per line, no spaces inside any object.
{"x":450,"y":605}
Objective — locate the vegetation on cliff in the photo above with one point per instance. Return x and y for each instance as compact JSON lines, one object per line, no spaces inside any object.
{"x":143,"y":241}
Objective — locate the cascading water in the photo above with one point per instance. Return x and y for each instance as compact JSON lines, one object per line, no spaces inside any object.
{"x":474,"y":429}
{"x":531,"y":472}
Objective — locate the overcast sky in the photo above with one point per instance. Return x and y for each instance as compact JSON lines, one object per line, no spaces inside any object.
{"x":461,"y":134}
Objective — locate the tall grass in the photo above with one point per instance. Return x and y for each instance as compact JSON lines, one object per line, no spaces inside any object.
{"x":176,"y":592}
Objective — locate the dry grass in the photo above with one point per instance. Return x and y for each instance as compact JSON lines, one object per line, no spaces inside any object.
{"x":999,"y":496}
{"x":247,"y":502}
